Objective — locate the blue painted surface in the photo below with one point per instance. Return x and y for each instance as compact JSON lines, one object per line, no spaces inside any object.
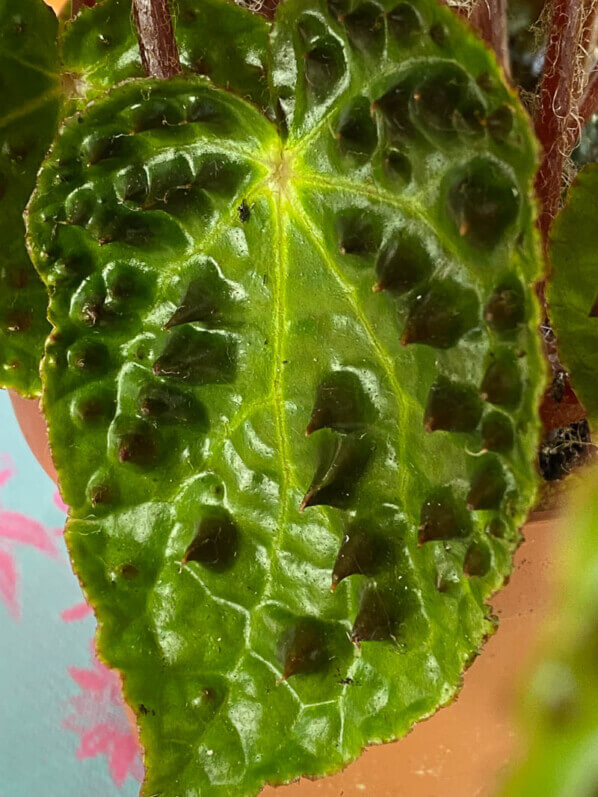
{"x":38,"y":755}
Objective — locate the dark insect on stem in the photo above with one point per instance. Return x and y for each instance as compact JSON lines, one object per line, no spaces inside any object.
{"x":244,"y":211}
{"x":157,"y":44}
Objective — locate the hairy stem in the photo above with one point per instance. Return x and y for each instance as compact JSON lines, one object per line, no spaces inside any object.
{"x":157,"y":45}
{"x":589,"y":102}
{"x":489,"y":17}
{"x":559,"y":95}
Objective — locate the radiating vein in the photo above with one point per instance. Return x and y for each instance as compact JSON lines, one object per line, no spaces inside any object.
{"x":404,"y":402}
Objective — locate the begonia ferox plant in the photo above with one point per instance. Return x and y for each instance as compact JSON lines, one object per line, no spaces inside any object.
{"x":277,"y":279}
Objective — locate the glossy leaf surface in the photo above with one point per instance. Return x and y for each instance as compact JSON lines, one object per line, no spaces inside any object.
{"x":254,"y":329}
{"x":215,"y":38}
{"x":44,"y":80}
{"x":29,"y":105}
{"x":573,"y":291}
{"x":561,"y":700}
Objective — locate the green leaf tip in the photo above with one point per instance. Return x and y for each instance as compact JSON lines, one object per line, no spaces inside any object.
{"x":195,"y":345}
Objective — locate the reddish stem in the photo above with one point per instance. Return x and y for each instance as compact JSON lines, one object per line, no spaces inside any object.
{"x":588,"y":106}
{"x":157,"y":45}
{"x":559,"y":94}
{"x":489,"y":17}
{"x":77,"y":5}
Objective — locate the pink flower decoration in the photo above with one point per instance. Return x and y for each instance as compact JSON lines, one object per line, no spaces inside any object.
{"x":100,"y":719}
{"x":17,"y":529}
{"x":77,"y":612}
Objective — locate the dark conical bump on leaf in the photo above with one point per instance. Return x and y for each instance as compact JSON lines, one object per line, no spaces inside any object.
{"x":99,"y":147}
{"x":18,"y":320}
{"x":206,"y":299}
{"x":92,"y":409}
{"x":126,"y":287}
{"x":216,"y":541}
{"x":338,"y":8}
{"x":483,"y":202}
{"x":500,"y":123}
{"x":594,"y":309}
{"x":102,"y":494}
{"x":477,"y":560}
{"x":342,"y":462}
{"x":441,"y":313}
{"x":362,"y":551}
{"x":439,"y":34}
{"x":376,"y":620}
{"x":164,"y":404}
{"x":356,"y":131}
{"x":139,"y":447}
{"x":324,"y":65}
{"x":403,"y":262}
{"x":198,"y":358}
{"x":157,"y":112}
{"x":497,"y":432}
{"x":501,"y":384}
{"x":397,"y":167}
{"x":488,"y":485}
{"x":452,"y":407}
{"x":304,"y":649}
{"x":90,"y":356}
{"x":129,"y":571}
{"x":394,"y":107}
{"x":505,"y":309}
{"x":442,"y":518}
{"x":132,"y":184}
{"x":170,"y":175}
{"x":365,"y":26}
{"x":80,"y":207}
{"x":404,"y":24}
{"x":357,"y":232}
{"x":496,"y":528}
{"x":445,"y":102}
{"x":341,"y":404}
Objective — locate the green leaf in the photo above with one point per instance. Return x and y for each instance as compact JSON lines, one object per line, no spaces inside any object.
{"x":29,"y":104}
{"x":98,"y":49}
{"x":561,"y":700}
{"x":221,"y":286}
{"x":215,"y":37}
{"x":573,"y":290}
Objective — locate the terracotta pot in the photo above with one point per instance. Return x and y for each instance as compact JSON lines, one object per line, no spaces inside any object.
{"x":463,"y":750}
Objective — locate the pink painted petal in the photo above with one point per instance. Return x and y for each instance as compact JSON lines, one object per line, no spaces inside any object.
{"x":17,"y":527}
{"x":124,"y":751}
{"x":95,"y":741}
{"x":8,"y":583}
{"x":5,"y":475}
{"x":88,"y":679}
{"x":77,"y":612}
{"x":6,"y":469}
{"x":59,"y":503}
